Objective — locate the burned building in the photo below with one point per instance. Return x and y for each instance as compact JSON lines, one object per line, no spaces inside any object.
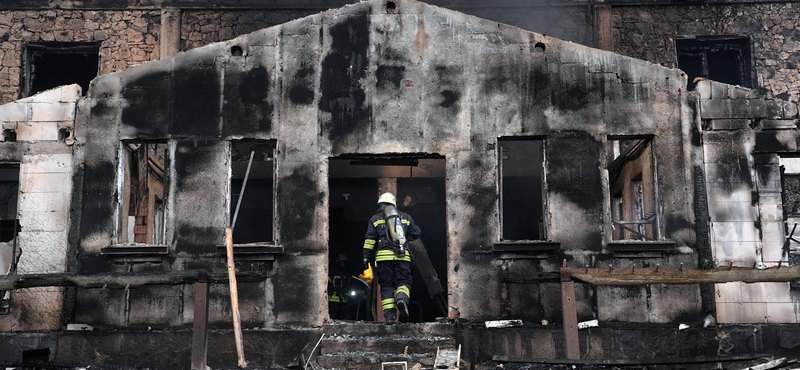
{"x":518,"y":154}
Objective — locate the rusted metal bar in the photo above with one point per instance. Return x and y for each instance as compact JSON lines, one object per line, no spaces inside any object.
{"x":199,"y":327}
{"x":570,"y":315}
{"x":121,"y":280}
{"x":674,"y":275}
{"x":237,"y":320}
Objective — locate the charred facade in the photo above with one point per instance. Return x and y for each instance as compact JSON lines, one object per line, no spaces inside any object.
{"x":516,"y":153}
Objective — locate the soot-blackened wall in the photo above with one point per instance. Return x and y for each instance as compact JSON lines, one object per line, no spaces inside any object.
{"x":373,"y":79}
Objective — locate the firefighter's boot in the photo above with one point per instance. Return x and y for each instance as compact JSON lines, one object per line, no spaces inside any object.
{"x":402,"y":309}
{"x":402,"y":303}
{"x":390,"y":316}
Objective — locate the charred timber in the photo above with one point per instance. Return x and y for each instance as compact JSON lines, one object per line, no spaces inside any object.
{"x":123,"y":280}
{"x":672,"y":275}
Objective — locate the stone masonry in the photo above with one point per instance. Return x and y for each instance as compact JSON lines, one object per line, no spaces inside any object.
{"x":126,"y":37}
{"x":649,"y":32}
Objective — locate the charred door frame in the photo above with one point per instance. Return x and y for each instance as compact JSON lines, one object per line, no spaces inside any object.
{"x":396,"y":159}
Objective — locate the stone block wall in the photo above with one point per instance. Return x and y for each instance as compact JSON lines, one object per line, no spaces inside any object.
{"x":743,"y":140}
{"x":649,"y":32}
{"x":45,"y":188}
{"x":126,"y":37}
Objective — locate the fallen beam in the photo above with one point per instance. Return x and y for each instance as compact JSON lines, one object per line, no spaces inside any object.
{"x":122,"y":280}
{"x":673,"y":275}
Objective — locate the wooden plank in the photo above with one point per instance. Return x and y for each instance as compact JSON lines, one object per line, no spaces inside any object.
{"x":673,"y":275}
{"x":122,"y":280}
{"x":199,"y":326}
{"x":237,"y":320}
{"x":570,"y":315}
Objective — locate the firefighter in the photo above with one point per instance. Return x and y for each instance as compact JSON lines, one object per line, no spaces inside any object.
{"x":338,"y":294}
{"x":388,"y":234}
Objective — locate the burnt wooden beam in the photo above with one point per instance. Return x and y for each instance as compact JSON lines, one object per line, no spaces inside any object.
{"x":570,"y":314}
{"x":674,"y":275}
{"x":122,"y":280}
{"x":200,"y":326}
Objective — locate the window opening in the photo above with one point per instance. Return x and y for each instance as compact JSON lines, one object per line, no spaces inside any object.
{"x":9,"y":226}
{"x":631,"y":177}
{"x":723,"y":60}
{"x":355,"y":183}
{"x":144,"y":172}
{"x":49,"y":65}
{"x":254,"y":223}
{"x":790,"y":191}
{"x":521,"y":169}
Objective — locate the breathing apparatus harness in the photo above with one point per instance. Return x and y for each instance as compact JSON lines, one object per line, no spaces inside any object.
{"x":394,"y":229}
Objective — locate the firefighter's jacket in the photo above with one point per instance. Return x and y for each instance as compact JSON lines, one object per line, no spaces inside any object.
{"x":377,"y":238}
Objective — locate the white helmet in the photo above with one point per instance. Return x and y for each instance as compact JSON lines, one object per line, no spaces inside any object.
{"x":387,"y":198}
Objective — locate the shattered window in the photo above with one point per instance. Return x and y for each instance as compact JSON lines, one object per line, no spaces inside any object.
{"x":521,"y":169}
{"x":49,"y":65}
{"x":723,"y":60}
{"x":254,"y":199}
{"x":144,"y":172}
{"x":631,"y":178}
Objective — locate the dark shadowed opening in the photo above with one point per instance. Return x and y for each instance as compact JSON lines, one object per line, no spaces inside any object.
{"x":254,"y":222}
{"x":36,"y":355}
{"x":723,"y":60}
{"x":355,"y":184}
{"x":49,"y":65}
{"x":521,"y":204}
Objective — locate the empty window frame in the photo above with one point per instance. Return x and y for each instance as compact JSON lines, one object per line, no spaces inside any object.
{"x":632,"y":187}
{"x":142,"y":191}
{"x":521,"y":175}
{"x":725,"y":60}
{"x":790,"y":191}
{"x":49,"y":65}
{"x":254,"y":220}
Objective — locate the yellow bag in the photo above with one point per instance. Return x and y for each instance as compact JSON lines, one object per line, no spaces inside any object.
{"x":366,"y":275}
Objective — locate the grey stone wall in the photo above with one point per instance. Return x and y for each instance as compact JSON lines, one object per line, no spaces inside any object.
{"x":649,"y":32}
{"x":203,"y":27}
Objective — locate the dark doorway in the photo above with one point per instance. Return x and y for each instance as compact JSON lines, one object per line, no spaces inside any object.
{"x":49,"y":65}
{"x":355,"y":184}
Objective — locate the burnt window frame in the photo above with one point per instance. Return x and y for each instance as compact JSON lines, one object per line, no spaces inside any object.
{"x":621,"y":236}
{"x":791,"y":232}
{"x":543,"y":225}
{"x":232,"y":203}
{"x":702,"y":45}
{"x":33,"y":50}
{"x":121,"y":234}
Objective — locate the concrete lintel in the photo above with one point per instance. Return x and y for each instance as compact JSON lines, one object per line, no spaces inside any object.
{"x":778,"y":124}
{"x":729,"y":124}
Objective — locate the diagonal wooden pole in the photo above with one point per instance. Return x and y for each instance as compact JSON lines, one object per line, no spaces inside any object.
{"x":237,"y":320}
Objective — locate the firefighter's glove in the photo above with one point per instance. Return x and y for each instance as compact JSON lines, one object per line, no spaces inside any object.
{"x":366,"y":263}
